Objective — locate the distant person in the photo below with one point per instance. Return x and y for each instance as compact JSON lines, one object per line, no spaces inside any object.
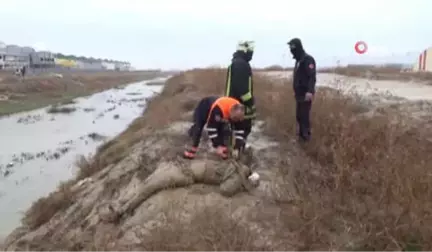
{"x":239,"y":84}
{"x":215,"y":112}
{"x":304,"y":79}
{"x":23,"y":71}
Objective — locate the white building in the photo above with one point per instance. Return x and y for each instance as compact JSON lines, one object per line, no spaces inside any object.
{"x":2,"y":54}
{"x":108,"y":65}
{"x":122,"y":66}
{"x":424,"y":61}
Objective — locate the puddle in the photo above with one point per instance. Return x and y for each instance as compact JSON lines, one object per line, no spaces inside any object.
{"x":38,"y":149}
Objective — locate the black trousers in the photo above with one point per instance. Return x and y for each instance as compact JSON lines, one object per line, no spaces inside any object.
{"x":246,"y":126}
{"x":303,"y":109}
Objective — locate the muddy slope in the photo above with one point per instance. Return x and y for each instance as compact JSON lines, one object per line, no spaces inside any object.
{"x":137,"y":194}
{"x":89,"y":219}
{"x":103,"y":209}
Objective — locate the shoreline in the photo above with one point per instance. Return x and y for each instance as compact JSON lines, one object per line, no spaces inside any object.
{"x":41,"y":91}
{"x":50,"y":156}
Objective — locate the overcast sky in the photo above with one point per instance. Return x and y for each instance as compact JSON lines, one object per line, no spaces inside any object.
{"x":193,"y":33}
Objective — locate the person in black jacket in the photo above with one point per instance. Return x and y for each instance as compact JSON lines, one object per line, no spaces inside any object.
{"x":239,"y":84}
{"x":304,"y":79}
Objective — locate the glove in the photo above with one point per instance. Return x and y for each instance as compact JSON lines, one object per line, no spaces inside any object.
{"x":190,"y":153}
{"x":235,"y":154}
{"x":221,"y":151}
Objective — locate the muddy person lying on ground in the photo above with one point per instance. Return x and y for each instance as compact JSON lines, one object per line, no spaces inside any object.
{"x":231,"y":176}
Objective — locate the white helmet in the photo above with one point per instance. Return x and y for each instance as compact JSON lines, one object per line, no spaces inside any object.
{"x":245,"y":46}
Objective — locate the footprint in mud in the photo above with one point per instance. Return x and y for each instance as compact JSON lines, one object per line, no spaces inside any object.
{"x":116,"y":116}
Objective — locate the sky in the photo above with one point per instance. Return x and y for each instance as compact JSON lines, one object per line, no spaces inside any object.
{"x":183,"y":34}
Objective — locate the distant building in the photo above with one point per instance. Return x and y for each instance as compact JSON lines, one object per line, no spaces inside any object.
{"x":90,"y":65}
{"x":2,"y":54}
{"x":43,"y":59}
{"x":122,"y":66}
{"x":13,"y":56}
{"x":108,"y":65}
{"x":65,"y":63}
{"x":424,"y":61}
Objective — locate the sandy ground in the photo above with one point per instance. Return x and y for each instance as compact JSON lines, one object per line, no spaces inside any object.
{"x":38,"y":149}
{"x":410,"y":90}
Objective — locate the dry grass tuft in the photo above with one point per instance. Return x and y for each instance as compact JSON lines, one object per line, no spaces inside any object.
{"x":210,"y":229}
{"x":45,"y":208}
{"x":374,"y":183}
{"x":87,"y":167}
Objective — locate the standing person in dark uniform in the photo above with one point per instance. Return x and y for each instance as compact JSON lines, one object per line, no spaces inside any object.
{"x":239,"y":85}
{"x":304,"y":79}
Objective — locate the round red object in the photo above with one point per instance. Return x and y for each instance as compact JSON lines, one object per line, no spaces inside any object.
{"x":360,"y":47}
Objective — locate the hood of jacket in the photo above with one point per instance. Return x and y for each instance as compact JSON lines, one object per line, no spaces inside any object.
{"x":296,"y":48}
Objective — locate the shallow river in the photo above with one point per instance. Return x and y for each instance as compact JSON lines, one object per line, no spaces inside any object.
{"x":38,"y":149}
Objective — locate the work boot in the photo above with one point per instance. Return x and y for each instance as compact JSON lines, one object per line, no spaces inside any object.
{"x":190,"y":153}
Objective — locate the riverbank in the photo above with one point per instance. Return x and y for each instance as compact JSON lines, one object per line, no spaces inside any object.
{"x":362,"y":183}
{"x":381,"y":73}
{"x":34,"y":92}
{"x":32,"y":164}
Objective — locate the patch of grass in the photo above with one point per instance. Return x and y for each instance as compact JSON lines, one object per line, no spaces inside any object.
{"x":211,"y":229}
{"x":374,"y":182}
{"x":35,"y":101}
{"x":87,"y":167}
{"x":67,"y":102}
{"x":45,"y":208}
{"x":40,"y":91}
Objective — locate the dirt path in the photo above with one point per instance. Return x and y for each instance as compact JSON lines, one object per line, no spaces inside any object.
{"x":411,"y":90}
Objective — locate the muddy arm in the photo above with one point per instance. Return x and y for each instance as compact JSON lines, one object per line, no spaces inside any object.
{"x":236,"y":180}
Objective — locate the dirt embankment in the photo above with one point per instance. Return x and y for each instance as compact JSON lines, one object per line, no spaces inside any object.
{"x":33,"y":92}
{"x":381,"y":73}
{"x":362,"y":183}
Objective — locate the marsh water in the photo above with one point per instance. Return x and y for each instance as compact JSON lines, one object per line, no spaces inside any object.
{"x":38,"y":149}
